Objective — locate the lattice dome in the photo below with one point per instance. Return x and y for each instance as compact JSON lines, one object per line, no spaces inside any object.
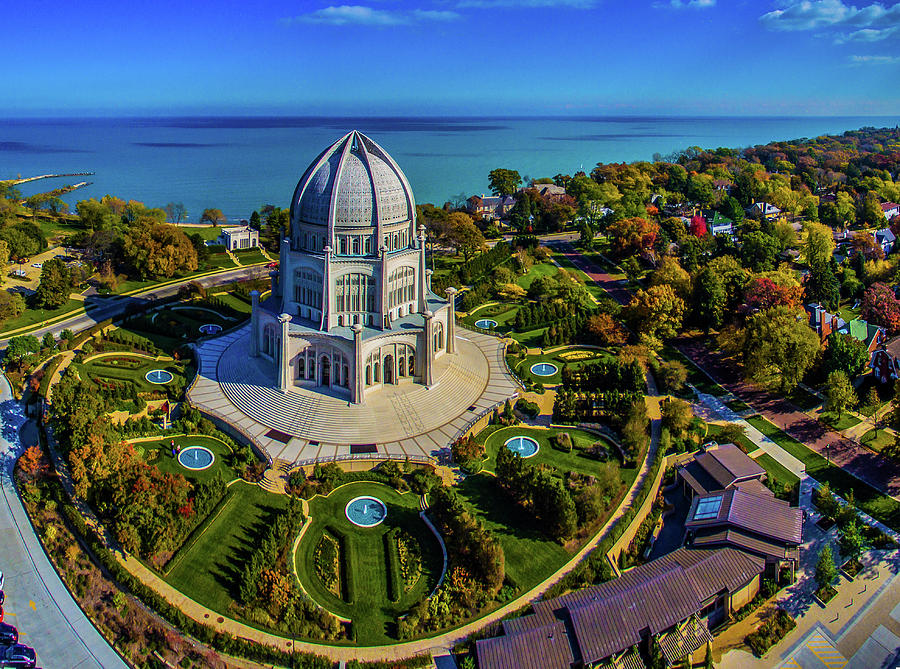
{"x":353,"y":183}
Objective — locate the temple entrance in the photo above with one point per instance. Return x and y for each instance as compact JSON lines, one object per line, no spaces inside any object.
{"x":326,"y":370}
{"x":388,"y":369}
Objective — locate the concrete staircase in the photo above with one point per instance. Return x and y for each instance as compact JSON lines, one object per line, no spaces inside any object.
{"x":275,"y":477}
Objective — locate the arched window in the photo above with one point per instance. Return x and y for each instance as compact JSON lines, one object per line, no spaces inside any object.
{"x":401,"y":286}
{"x":411,"y":367}
{"x":346,"y":376}
{"x":438,"y":336}
{"x":377,"y":372}
{"x":301,"y":366}
{"x":343,"y":245}
{"x":268,"y":340}
{"x":368,"y":375}
{"x":368,"y":245}
{"x":356,"y":246}
{"x":354,"y":293}
{"x":401,"y":366}
{"x":325,"y":363}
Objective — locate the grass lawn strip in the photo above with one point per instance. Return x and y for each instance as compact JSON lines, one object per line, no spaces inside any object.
{"x":775,"y":470}
{"x":548,"y":455}
{"x":159,"y":453}
{"x":877,"y":439}
{"x":200,"y":530}
{"x":870,"y":500}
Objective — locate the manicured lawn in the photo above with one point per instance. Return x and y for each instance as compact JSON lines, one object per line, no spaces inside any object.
{"x":124,"y":368}
{"x":366,"y":601}
{"x":159,"y":453}
{"x":530,"y":557}
{"x":547,"y":455}
{"x":876,"y":504}
{"x":234,"y":302}
{"x":177,"y":324}
{"x":504,"y":313}
{"x":210,"y":569}
{"x":37,"y":316}
{"x":539,"y":269}
{"x":209,"y":233}
{"x":775,"y":470}
{"x":839,"y":422}
{"x":804,"y":399}
{"x":877,"y":439}
{"x":250,"y":257}
{"x":218,"y":261}
{"x":597,"y":292}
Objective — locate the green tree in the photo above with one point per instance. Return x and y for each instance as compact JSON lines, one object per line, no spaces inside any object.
{"x":709,"y":299}
{"x":677,"y":416}
{"x":759,"y":251}
{"x":776,"y":345}
{"x":464,"y":235}
{"x":851,"y":540}
{"x":846,"y":354}
{"x":826,"y":571}
{"x":212,"y":216}
{"x":708,"y":660}
{"x":504,"y":181}
{"x":11,"y":305}
{"x":840,"y":392}
{"x":159,"y":251}
{"x":671,"y":375}
{"x":870,"y":212}
{"x":819,"y":245}
{"x":56,"y":285}
{"x":657,"y":311}
{"x":48,"y":341}
{"x":21,"y":347}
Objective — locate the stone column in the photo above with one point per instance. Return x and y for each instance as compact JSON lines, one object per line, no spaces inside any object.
{"x":451,"y":320}
{"x":428,"y":273}
{"x":284,"y":361}
{"x":383,"y":299}
{"x":326,"y":291}
{"x":428,"y":363}
{"x":423,"y":287}
{"x":359,"y":383}
{"x":254,"y":323}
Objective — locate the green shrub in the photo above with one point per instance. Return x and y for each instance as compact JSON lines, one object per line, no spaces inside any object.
{"x":528,"y":408}
{"x":562,"y":442}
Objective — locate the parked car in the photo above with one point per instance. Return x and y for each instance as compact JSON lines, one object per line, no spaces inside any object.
{"x":9,"y":635}
{"x":37,"y":265}
{"x":18,"y":656}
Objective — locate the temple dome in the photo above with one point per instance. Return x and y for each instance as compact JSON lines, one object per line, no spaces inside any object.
{"x":353,"y":183}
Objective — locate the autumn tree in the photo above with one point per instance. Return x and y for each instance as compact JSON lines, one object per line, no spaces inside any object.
{"x":504,"y":181}
{"x":159,"y":251}
{"x":763,"y":293}
{"x":670,"y":272}
{"x":880,"y":306}
{"x":604,"y":330}
{"x":12,"y":305}
{"x":839,"y":214}
{"x":671,"y":375}
{"x":677,"y":416}
{"x":630,"y":236}
{"x":464,"y":235}
{"x":176,"y":212}
{"x":657,"y":312}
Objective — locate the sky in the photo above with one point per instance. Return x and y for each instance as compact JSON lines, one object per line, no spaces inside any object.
{"x":457,"y":57}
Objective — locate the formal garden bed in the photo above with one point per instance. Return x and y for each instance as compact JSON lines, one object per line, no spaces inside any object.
{"x":773,"y":629}
{"x":370,"y":575}
{"x":527,"y":366}
{"x":825,"y":593}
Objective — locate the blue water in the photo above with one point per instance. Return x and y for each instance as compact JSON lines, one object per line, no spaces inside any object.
{"x":524,"y":446}
{"x":366,"y":511}
{"x":239,"y":164}
{"x":196,"y":457}
{"x":544,"y":369}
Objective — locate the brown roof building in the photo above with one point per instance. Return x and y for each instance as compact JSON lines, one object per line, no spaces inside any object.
{"x":676,"y":597}
{"x":718,"y":467}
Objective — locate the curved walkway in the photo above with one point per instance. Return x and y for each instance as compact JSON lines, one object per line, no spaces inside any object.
{"x":37,"y":602}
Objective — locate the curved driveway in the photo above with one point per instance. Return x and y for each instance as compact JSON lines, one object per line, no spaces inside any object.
{"x":37,"y":602}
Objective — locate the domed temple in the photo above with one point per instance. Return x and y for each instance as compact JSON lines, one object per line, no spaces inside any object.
{"x":351,"y":307}
{"x":351,"y":354}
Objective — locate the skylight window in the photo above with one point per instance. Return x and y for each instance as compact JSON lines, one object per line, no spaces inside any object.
{"x":708,"y":508}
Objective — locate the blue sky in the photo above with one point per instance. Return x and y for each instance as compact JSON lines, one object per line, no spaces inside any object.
{"x":473,"y":57}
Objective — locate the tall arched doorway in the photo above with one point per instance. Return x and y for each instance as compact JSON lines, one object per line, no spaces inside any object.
{"x":389,"y":369}
{"x":326,"y":370}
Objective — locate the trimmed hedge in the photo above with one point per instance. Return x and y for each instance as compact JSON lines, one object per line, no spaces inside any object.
{"x":392,"y":562}
{"x":348,"y":588}
{"x":49,"y":371}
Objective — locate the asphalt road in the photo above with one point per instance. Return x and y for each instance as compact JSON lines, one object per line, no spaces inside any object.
{"x":100,"y":308}
{"x":37,"y":602}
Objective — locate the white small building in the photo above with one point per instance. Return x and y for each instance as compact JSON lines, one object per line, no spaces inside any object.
{"x":238,"y":238}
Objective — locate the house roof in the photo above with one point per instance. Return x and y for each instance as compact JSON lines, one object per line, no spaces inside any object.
{"x":887,"y":206}
{"x":611,"y":617}
{"x":545,"y":647}
{"x":885,"y":236}
{"x":761,"y":514}
{"x":727,"y":463}
{"x":713,"y":536}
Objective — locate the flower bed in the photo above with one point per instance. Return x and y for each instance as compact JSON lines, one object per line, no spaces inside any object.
{"x":328,"y":563}
{"x":851,"y":568}
{"x":825,"y":594}
{"x":770,"y":632}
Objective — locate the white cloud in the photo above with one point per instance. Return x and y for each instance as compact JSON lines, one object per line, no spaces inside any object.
{"x":685,"y":4}
{"x":527,"y":4}
{"x":866,"y":35}
{"x":875,"y":60}
{"x":342,"y":15}
{"x":813,"y":14}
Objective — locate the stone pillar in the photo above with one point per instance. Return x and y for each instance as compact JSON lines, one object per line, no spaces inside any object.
{"x":274,"y":283}
{"x":359,"y":381}
{"x":428,"y":362}
{"x":451,"y":320}
{"x":254,"y":323}
{"x":428,"y":273}
{"x":284,"y":362}
{"x":423,"y":287}
{"x":325,"y":324}
{"x":383,"y":299}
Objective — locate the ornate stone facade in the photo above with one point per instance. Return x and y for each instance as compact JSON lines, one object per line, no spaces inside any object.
{"x":351,"y":309}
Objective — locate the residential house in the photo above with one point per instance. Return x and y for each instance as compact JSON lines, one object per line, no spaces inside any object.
{"x":238,"y":238}
{"x":493,"y":207}
{"x":718,"y":224}
{"x":723,"y":185}
{"x":886,"y":361}
{"x":764,"y":210}
{"x":675,"y":598}
{"x":885,"y":238}
{"x":750,"y":518}
{"x":717,"y":467}
{"x":824,"y":323}
{"x":547,"y":190}
{"x":890,"y":209}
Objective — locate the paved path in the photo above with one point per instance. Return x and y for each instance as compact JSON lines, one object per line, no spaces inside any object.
{"x":100,"y":308}
{"x":879,"y":472}
{"x":37,"y":602}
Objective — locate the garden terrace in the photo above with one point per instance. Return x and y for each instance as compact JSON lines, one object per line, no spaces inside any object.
{"x":180,"y":323}
{"x":587,"y":455}
{"x":571,"y":357}
{"x":158,"y":452}
{"x":368,"y":574}
{"x":123,"y":377}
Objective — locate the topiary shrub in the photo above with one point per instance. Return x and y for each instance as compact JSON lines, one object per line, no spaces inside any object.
{"x":562,"y":442}
{"x":528,"y":408}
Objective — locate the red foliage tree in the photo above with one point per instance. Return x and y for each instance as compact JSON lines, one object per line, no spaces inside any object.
{"x":762,"y":293}
{"x":881,"y":306}
{"x":630,"y":236}
{"x":698,"y":226}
